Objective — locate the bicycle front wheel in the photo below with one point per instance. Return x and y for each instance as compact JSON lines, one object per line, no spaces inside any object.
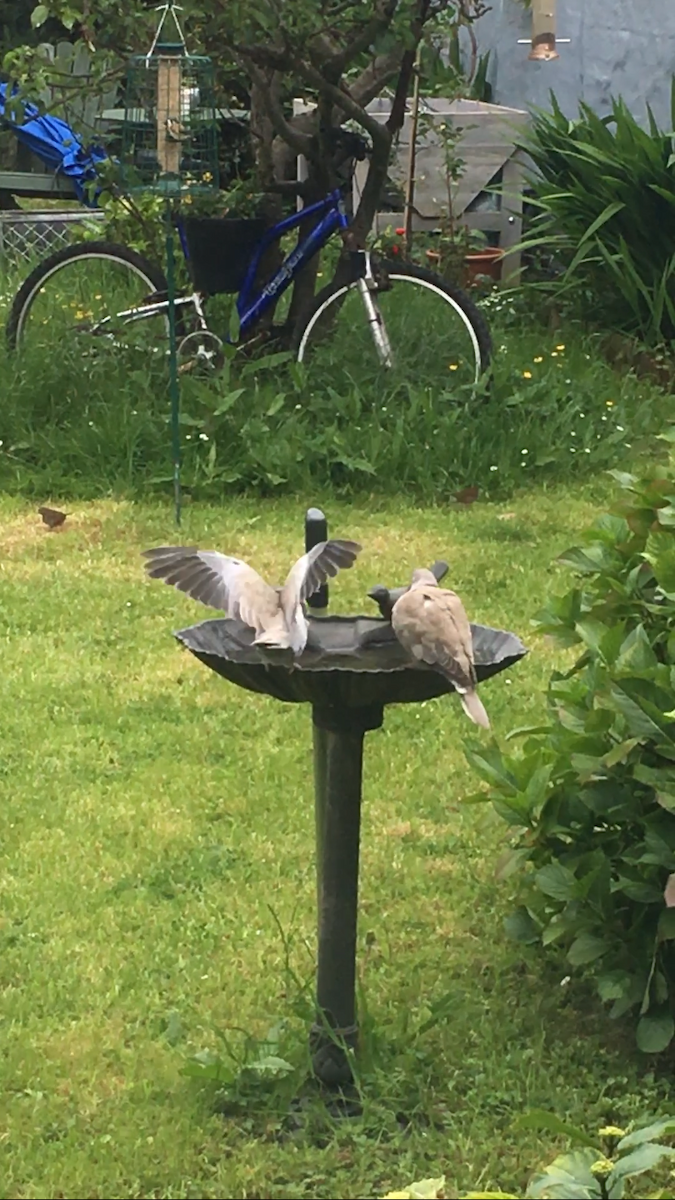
{"x":90,"y":300}
{"x":427,"y":335}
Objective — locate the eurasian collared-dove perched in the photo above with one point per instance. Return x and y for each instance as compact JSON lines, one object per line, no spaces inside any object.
{"x":431,"y":624}
{"x":229,"y":584}
{"x":385,"y":597}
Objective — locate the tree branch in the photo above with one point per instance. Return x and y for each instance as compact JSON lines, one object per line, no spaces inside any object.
{"x":342,"y":99}
{"x":397,"y":114}
{"x":372,"y":79}
{"x":360,"y":40}
{"x":300,"y":142}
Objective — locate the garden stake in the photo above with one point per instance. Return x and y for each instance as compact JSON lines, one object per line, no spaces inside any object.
{"x":174,"y":392}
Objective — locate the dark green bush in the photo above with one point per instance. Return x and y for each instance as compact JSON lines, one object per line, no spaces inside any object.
{"x":591,"y":795}
{"x":605,"y":194}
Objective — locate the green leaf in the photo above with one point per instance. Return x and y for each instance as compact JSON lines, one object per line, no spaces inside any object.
{"x":620,"y":752}
{"x":586,"y":948}
{"x":557,"y":881}
{"x":642,"y":1159}
{"x":569,"y":1177}
{"x":647,"y":1133}
{"x":276,"y":405}
{"x":665,"y":930}
{"x":270,"y":1064}
{"x":654,"y":1034}
{"x":208,"y":1067}
{"x":591,"y":633}
{"x":539,"y":1118}
{"x":521,"y":927}
{"x":613,"y":986}
{"x":228,"y":401}
{"x":490,"y":765}
{"x":587,"y":562}
{"x":39,"y":15}
{"x":636,"y":654}
{"x":424,"y":1189}
{"x":511,"y":861}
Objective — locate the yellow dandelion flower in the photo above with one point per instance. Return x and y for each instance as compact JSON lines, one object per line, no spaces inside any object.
{"x":554,"y":353}
{"x":609,"y":403}
{"x":560,"y":348}
{"x":527,"y":374}
{"x":539,"y":358}
{"x":453,"y":366}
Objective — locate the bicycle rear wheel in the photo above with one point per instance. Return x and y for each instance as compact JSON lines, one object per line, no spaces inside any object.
{"x":438,"y":340}
{"x":84,"y":300}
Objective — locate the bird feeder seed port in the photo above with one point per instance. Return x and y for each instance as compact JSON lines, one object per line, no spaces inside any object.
{"x":543,"y":41}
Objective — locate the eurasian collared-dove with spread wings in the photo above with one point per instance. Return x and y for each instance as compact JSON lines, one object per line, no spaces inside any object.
{"x":222,"y":582}
{"x":431,"y":624}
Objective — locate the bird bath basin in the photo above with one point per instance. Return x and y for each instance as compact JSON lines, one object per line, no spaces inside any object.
{"x":351,"y":668}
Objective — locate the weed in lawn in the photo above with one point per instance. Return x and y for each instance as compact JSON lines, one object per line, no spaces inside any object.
{"x":157,"y":882}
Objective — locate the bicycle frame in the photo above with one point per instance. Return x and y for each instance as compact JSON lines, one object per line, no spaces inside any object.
{"x":251,"y":304}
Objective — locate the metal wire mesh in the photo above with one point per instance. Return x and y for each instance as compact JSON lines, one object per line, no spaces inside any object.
{"x":26,"y":236}
{"x":169,"y":133}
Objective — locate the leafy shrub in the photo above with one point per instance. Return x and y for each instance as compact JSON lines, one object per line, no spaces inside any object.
{"x":597,"y":1169}
{"x":591,"y":796}
{"x":605,"y":194}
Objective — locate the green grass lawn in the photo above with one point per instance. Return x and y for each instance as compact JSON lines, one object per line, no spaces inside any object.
{"x":158,"y":889}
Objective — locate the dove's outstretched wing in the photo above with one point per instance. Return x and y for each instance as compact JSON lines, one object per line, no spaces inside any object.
{"x":217,"y":580}
{"x":308,"y":574}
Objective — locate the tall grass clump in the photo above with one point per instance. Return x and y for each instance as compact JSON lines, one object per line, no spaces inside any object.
{"x":555,"y":411}
{"x":604,"y":188}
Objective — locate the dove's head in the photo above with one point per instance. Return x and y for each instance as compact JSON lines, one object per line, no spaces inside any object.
{"x":423,"y":578}
{"x":382,"y":597}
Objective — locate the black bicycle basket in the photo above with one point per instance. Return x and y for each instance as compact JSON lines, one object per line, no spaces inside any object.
{"x":220,"y":251}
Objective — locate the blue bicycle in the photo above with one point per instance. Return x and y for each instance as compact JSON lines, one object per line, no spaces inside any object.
{"x":383,"y":319}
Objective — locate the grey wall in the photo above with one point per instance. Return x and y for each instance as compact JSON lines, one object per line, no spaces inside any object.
{"x":619,"y":48}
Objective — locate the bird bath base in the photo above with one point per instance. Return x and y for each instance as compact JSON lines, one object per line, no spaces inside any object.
{"x":351,"y":668}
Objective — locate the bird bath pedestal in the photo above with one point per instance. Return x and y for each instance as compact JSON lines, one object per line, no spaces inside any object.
{"x":350,"y":669}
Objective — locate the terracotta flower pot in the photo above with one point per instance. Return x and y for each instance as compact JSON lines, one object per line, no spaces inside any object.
{"x":487,"y":262}
{"x":483,"y":262}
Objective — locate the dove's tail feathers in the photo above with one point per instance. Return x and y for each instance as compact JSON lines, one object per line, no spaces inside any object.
{"x":474,"y":709}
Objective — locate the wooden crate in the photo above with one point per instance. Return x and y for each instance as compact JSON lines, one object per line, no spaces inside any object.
{"x":490,"y":156}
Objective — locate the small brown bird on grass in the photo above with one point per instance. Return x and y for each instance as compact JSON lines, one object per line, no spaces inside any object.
{"x":431,"y":624}
{"x":52,"y":518}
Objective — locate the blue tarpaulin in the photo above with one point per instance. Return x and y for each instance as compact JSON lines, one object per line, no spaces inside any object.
{"x":59,"y":147}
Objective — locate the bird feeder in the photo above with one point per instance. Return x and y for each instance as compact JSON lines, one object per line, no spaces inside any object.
{"x":169,"y":132}
{"x":543,"y":31}
{"x":169,"y":147}
{"x":351,"y":668}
